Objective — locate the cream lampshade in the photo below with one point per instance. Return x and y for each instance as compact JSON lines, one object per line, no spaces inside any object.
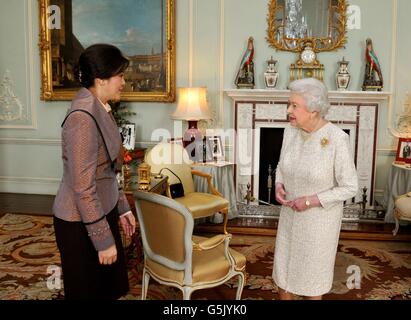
{"x":192,"y":106}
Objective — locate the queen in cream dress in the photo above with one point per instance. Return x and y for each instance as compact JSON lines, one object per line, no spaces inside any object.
{"x":319,"y":163}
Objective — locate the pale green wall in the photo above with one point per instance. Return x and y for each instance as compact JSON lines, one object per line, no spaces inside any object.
{"x":30,"y":158}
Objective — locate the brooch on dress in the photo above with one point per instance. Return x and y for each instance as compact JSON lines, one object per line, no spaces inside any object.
{"x":324,"y":142}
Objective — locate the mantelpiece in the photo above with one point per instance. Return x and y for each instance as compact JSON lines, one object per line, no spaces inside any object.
{"x":354,"y":111}
{"x":334,"y":96}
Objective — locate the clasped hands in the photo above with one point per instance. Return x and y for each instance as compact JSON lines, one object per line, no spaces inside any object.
{"x":298,"y":204}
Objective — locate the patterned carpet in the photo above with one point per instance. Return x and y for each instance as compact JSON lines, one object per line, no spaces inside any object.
{"x":29,"y":259}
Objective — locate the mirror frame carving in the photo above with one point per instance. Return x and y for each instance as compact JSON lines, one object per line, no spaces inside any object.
{"x":340,"y":26}
{"x":48,"y":92}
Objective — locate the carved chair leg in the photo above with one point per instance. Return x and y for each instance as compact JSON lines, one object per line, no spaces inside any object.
{"x":187,"y":293}
{"x":144,"y":284}
{"x":241,"y":280}
{"x":397,"y":227}
{"x":225,"y":213}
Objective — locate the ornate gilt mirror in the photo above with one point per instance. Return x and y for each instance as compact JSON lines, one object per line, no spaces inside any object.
{"x":291,"y":23}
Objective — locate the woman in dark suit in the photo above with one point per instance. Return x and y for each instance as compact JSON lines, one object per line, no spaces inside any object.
{"x":89,"y":202}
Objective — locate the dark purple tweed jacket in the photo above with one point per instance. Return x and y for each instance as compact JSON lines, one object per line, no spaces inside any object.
{"x":89,"y":188}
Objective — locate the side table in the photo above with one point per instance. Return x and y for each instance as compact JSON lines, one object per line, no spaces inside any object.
{"x":222,"y":174}
{"x":158,"y":186}
{"x":398,"y":183}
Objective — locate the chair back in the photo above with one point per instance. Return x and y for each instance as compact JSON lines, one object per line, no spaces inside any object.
{"x":174,"y":157}
{"x":166,"y":230}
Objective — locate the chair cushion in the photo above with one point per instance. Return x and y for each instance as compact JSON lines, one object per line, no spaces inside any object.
{"x":203,"y":204}
{"x":208,"y":265}
{"x":403,"y":207}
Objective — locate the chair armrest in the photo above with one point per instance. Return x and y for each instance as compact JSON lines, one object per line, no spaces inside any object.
{"x":408,"y":194}
{"x":168,"y":192}
{"x":210,"y":184}
{"x":211,"y":243}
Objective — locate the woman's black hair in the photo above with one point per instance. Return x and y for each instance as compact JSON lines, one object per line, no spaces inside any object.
{"x":101,"y":61}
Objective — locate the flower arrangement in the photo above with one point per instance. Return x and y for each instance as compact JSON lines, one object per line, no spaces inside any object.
{"x":127,"y":158}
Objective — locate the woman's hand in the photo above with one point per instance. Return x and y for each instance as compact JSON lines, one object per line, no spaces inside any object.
{"x":305,"y":203}
{"x":108,"y":256}
{"x":280,"y":195}
{"x":128,"y":224}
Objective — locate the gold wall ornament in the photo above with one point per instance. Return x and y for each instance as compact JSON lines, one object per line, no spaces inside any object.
{"x":142,"y":82}
{"x":336,"y":37}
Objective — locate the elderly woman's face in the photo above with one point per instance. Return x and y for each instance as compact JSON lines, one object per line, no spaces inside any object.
{"x":298,"y":113}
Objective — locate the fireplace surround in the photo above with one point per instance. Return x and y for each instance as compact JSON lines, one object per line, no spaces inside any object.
{"x":257,"y":110}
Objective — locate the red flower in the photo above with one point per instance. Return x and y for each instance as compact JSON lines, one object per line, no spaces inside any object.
{"x":127,"y":157}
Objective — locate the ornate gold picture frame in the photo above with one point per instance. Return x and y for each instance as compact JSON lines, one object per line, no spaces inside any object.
{"x":144,"y":30}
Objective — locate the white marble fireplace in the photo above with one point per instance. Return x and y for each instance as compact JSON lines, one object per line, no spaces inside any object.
{"x":355,"y":112}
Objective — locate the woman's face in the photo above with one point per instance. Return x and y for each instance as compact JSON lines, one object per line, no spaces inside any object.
{"x":297,"y":111}
{"x":114,"y":86}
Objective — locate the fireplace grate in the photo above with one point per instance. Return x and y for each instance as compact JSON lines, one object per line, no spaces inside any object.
{"x":351,"y":213}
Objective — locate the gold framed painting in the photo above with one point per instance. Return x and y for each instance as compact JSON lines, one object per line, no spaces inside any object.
{"x":144,"y":30}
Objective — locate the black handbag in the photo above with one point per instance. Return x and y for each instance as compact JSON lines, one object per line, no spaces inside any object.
{"x":176,"y":189}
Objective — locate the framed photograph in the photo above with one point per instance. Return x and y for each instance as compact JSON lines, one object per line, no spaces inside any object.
{"x":178,"y":140}
{"x":205,"y":151}
{"x":404,"y":150}
{"x":144,"y":30}
{"x":216,"y":147}
{"x":128,"y":135}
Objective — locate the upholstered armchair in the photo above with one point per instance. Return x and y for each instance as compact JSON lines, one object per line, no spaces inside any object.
{"x":175,"y":158}
{"x":174,"y":257}
{"x":402,"y":210}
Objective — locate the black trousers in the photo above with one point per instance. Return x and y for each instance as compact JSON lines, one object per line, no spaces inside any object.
{"x":83,"y":276}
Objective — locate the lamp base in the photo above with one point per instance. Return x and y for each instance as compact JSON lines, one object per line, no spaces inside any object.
{"x":192,"y":141}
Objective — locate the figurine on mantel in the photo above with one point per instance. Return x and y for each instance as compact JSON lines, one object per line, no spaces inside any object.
{"x":343,"y":76}
{"x":245,"y":74}
{"x":271,"y":75}
{"x":373,"y":80}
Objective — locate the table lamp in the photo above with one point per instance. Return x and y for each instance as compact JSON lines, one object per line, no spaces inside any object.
{"x":192,"y":106}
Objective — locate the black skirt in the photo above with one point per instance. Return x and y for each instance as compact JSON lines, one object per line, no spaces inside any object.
{"x":83,"y":275}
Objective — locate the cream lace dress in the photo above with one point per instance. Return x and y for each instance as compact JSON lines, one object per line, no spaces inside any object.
{"x":306,"y":244}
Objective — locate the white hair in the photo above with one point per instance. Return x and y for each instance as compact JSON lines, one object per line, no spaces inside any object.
{"x":314,"y":93}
